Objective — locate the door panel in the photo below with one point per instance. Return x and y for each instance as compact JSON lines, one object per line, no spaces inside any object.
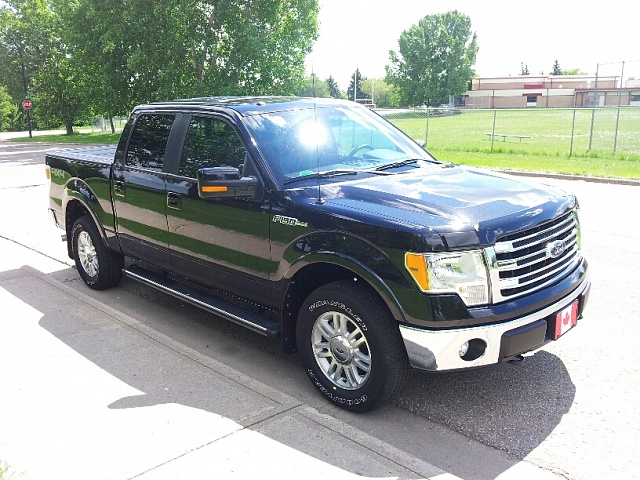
{"x":221,"y":243}
{"x":140,"y":198}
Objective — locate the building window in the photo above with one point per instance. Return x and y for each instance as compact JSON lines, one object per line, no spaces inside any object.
{"x":532,"y":100}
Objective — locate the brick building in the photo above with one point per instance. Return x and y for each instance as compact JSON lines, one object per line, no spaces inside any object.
{"x":550,"y":91}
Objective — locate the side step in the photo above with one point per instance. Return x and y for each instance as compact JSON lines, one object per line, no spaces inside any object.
{"x":247,"y":318}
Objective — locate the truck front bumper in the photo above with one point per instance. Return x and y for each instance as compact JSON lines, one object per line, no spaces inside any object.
{"x":439,"y":350}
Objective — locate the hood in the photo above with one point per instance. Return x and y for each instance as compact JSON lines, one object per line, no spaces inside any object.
{"x":465,"y":206}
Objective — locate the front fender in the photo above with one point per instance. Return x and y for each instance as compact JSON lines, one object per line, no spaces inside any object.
{"x":353,"y":255}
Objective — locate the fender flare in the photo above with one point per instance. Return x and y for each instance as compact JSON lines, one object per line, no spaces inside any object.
{"x":358,"y":268}
{"x":77,"y":190}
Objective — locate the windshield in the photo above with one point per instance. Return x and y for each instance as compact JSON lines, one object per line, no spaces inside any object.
{"x":308,"y":142}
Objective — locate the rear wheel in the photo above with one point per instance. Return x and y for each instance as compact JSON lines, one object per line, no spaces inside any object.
{"x":351,"y":347}
{"x":98,"y":266}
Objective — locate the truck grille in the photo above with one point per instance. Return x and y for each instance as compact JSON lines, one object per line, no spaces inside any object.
{"x":533,"y":259}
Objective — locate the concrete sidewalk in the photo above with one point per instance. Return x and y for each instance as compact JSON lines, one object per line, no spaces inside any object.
{"x":88,"y":392}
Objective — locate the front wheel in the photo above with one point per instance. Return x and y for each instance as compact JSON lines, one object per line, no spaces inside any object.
{"x":98,"y":266}
{"x":351,"y":347}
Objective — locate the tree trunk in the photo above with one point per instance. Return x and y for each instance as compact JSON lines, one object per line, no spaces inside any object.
{"x":113,"y":127}
{"x":69,"y":125}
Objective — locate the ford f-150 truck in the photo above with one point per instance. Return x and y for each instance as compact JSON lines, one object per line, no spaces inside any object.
{"x":319,"y":224}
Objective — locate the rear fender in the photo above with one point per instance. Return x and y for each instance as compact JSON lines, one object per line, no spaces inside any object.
{"x":78,"y":197}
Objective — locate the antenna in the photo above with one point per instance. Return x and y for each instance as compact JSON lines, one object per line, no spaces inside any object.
{"x":319,"y":200}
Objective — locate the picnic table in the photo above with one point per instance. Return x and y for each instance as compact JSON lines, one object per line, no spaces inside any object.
{"x":505,"y":135}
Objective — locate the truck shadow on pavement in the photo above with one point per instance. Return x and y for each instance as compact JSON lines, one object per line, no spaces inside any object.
{"x":173,"y":353}
{"x":512,"y":407}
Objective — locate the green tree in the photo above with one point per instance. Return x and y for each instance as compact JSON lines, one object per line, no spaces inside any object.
{"x":8,"y":109}
{"x":380,"y":92}
{"x":86,"y":56}
{"x":435,"y":59}
{"x":574,"y":71}
{"x":334,"y":89}
{"x":33,"y":33}
{"x":91,"y":29}
{"x":11,"y":59}
{"x":556,"y":68}
{"x":356,"y":86}
{"x":313,"y":87}
{"x":170,"y":48}
{"x":10,"y":72}
{"x":524,"y":69}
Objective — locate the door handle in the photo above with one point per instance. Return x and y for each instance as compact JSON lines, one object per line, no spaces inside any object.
{"x":174,"y":200}
{"x":118,"y":187}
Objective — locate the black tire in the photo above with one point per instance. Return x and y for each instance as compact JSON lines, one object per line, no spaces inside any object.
{"x":99,"y":267}
{"x":359,"y":361}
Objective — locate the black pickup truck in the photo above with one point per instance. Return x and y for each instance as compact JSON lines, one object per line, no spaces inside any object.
{"x":319,"y":224}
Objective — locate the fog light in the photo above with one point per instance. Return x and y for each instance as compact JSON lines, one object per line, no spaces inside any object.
{"x":472,"y":349}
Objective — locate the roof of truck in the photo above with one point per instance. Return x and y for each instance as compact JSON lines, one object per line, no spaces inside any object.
{"x":247,"y":105}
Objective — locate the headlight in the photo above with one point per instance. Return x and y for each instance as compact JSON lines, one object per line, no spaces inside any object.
{"x":464,"y":273}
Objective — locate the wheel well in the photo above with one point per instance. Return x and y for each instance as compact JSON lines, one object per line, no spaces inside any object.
{"x":74,"y":211}
{"x":302,"y":284}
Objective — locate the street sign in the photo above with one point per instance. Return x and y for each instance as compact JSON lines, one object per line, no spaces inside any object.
{"x":26,"y":104}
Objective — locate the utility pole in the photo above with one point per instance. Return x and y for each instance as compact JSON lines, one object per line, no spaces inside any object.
{"x":355,"y":86}
{"x":593,"y":111}
{"x":373,"y":91}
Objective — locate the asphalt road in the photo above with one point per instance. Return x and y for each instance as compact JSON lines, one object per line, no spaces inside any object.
{"x":570,"y":409}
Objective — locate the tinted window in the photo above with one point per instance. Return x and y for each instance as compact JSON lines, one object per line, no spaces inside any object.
{"x":210,"y":143}
{"x":148,"y":141}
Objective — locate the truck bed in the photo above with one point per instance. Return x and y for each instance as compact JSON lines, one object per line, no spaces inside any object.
{"x":103,"y":154}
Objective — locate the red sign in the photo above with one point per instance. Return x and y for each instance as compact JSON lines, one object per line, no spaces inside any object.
{"x":26,"y":104}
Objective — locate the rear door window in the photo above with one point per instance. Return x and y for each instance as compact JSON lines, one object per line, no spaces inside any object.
{"x":149,"y":141}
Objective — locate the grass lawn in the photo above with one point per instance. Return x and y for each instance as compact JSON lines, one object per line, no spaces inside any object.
{"x":84,"y":138}
{"x":462,"y":139}
{"x":596,"y":167}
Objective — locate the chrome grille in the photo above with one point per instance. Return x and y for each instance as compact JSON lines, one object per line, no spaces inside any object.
{"x":527,"y":261}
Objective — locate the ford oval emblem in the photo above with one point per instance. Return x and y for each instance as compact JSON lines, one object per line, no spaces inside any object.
{"x":555,"y":249}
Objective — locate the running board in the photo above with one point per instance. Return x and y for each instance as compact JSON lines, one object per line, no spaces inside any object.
{"x":247,"y":318}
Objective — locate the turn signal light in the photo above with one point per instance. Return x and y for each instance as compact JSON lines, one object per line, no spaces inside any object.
{"x":417,"y":267}
{"x":212,"y":189}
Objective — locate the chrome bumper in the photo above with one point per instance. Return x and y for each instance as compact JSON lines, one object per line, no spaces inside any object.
{"x":438,"y":350}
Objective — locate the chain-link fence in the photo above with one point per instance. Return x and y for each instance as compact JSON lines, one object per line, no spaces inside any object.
{"x":102,"y":124}
{"x":549,"y":131}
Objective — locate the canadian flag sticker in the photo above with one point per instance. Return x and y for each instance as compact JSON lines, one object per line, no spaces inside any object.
{"x":566,"y":319}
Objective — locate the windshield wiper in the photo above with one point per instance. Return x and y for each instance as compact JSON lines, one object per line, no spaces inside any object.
{"x":330,"y":174}
{"x":401,"y":163}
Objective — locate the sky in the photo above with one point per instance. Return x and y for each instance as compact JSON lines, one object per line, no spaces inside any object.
{"x":359,"y":34}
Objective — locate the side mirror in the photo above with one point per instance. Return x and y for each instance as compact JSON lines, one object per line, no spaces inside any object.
{"x":225,"y":182}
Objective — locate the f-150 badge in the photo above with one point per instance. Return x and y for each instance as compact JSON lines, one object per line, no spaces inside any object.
{"x":293,"y":222}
